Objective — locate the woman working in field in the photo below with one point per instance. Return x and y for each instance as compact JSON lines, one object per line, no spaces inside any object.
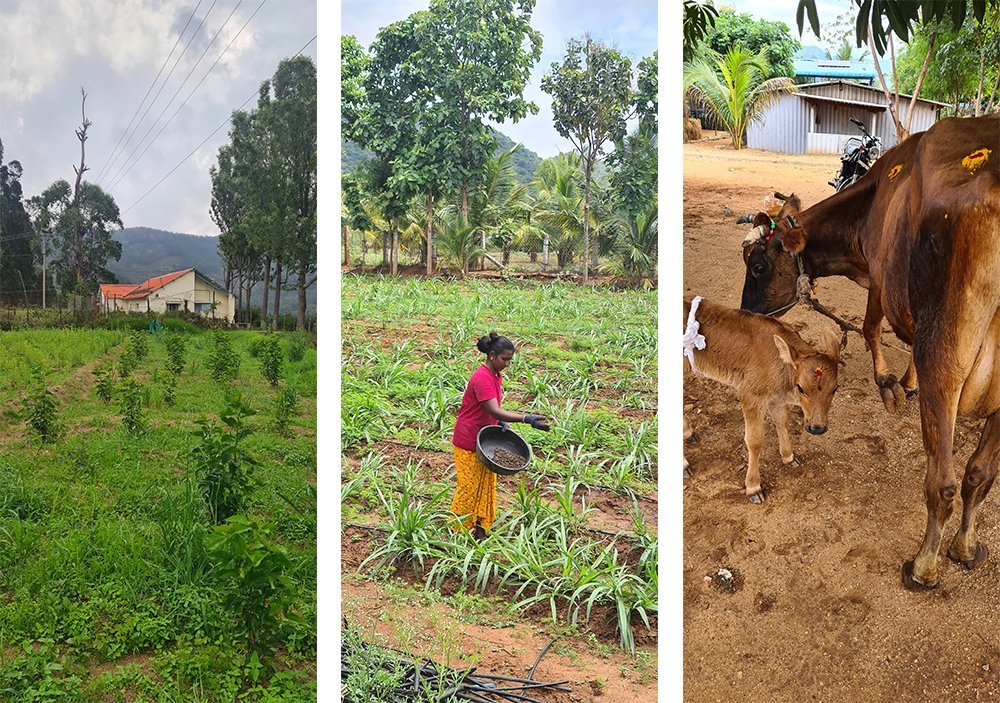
{"x":475,"y":496}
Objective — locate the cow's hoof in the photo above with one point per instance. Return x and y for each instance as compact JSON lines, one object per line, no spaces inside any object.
{"x":982,"y":554}
{"x":756,"y":498}
{"x":910,"y":581}
{"x":911,"y":392}
{"x":692,"y":438}
{"x":793,"y":464}
{"x":687,"y":472}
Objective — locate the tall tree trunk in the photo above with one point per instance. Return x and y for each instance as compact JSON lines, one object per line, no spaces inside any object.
{"x":385,"y":250}
{"x":993,"y":95}
{"x":920,"y":82}
{"x":239,"y":295}
{"x":901,"y":132}
{"x":277,"y":294}
{"x":267,"y":285}
{"x":430,"y":233}
{"x":300,"y":317}
{"x":394,"y":254}
{"x":249,"y":296}
{"x":982,"y":71}
{"x":586,"y":219}
{"x":81,"y":134}
{"x":347,"y":247}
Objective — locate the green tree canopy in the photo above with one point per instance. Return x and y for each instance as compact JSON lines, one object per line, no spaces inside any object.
{"x":592,"y":98}
{"x":732,"y":29}
{"x":17,"y":269}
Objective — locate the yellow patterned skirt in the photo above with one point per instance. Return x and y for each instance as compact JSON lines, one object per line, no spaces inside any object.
{"x":476,"y":495}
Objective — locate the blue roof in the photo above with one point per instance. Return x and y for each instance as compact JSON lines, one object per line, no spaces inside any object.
{"x":826,"y":68}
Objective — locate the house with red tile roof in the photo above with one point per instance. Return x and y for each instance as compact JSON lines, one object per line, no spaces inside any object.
{"x":181,"y":291}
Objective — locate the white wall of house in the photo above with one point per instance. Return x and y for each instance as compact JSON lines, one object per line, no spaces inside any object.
{"x":190,"y":292}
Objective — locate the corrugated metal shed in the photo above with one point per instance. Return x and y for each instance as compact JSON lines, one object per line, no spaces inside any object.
{"x":817,"y":118}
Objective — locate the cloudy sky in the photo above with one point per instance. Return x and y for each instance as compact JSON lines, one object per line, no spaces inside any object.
{"x":114,"y":49}
{"x":630,"y":25}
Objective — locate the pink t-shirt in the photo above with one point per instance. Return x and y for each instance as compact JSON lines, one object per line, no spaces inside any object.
{"x":472,"y":416}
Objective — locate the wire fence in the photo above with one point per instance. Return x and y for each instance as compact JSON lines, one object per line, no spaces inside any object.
{"x":372,"y":252}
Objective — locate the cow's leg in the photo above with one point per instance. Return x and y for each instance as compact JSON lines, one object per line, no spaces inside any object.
{"x":753,"y":420}
{"x":779,"y":413}
{"x":893,"y":395}
{"x":689,"y":436}
{"x":909,"y":379}
{"x":979,"y":475}
{"x":938,"y":408}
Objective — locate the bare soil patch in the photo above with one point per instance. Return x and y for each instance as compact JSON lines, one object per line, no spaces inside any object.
{"x":821,"y":614}
{"x":435,"y":631}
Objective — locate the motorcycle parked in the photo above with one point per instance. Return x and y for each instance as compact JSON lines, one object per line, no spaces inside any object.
{"x":859,"y":155}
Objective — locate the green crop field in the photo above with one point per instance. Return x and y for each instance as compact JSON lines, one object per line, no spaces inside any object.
{"x":574,"y":549}
{"x":157,"y":516}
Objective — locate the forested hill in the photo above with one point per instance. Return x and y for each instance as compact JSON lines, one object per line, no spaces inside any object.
{"x":525,"y":160}
{"x":148,"y":252}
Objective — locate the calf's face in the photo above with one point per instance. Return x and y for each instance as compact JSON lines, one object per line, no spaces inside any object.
{"x":815,"y":379}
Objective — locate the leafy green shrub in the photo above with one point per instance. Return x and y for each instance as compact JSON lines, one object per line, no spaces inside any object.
{"x":41,"y":407}
{"x":255,"y":573}
{"x":130,"y":405}
{"x":170,"y":389}
{"x":137,"y":342}
{"x":269,"y":353}
{"x":221,"y":463}
{"x":223,"y":359}
{"x":105,"y":385}
{"x":127,"y":363}
{"x":175,"y":353}
{"x":296,"y":345}
{"x":284,"y":407}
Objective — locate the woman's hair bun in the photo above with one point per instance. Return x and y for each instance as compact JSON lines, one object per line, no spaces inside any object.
{"x":484,"y":343}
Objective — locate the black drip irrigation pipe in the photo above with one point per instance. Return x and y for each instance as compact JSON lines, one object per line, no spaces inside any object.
{"x":453,"y":684}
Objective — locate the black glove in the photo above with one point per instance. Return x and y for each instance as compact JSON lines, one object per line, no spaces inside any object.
{"x":537,"y":421}
{"x":504,"y":425}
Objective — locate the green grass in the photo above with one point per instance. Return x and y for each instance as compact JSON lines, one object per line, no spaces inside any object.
{"x":588,"y":354}
{"x":104,"y":534}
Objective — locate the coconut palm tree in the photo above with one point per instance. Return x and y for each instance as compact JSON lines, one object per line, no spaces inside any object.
{"x":734,"y":89}
{"x":498,"y":203}
{"x":559,"y":206}
{"x":459,"y":242}
{"x":635,"y":246}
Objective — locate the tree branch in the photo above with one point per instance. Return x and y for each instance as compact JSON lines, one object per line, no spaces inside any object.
{"x":920,"y":80}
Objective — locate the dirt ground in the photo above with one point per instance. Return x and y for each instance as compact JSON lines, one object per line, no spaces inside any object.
{"x":817,"y":611}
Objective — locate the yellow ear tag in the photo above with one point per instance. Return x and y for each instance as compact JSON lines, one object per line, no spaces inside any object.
{"x":973,"y":161}
{"x":894,"y":171}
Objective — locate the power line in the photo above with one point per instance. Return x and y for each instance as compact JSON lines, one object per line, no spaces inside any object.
{"x":179,"y":57}
{"x":101,"y":173}
{"x":190,"y":95}
{"x":193,"y":151}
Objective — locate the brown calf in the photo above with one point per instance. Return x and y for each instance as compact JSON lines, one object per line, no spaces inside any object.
{"x":769,"y":367}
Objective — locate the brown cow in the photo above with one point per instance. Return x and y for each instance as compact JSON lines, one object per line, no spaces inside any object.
{"x":920,"y":231}
{"x":770,"y":367}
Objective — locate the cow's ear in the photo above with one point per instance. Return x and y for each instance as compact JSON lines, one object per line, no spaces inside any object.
{"x":762,"y":218}
{"x":791,"y":207}
{"x":787,"y":355}
{"x":794,"y":241}
{"x":831,"y":341}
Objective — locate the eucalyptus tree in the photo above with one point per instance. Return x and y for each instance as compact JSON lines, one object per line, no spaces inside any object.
{"x":286,"y":114}
{"x":17,"y":269}
{"x":592,"y":98}
{"x":81,"y":221}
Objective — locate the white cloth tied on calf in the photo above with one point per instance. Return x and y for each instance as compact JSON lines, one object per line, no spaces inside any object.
{"x":692,"y":340}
